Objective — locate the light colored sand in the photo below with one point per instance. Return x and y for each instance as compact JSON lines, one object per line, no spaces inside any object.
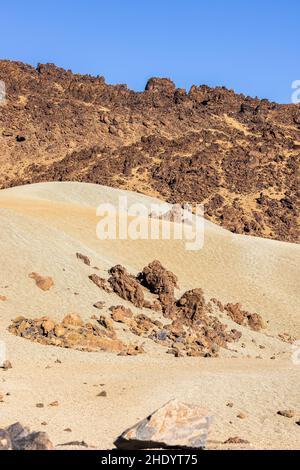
{"x":42,"y":228}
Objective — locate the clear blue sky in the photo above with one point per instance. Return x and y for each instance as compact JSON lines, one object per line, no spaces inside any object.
{"x":251,"y":46}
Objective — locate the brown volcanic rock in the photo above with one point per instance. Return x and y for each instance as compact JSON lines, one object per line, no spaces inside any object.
{"x":72,"y":333}
{"x":241,"y":317}
{"x":126,"y":286}
{"x":237,"y":155}
{"x":192,"y":306}
{"x":162,"y":282}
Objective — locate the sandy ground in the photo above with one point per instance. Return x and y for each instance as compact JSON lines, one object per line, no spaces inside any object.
{"x":42,"y":228}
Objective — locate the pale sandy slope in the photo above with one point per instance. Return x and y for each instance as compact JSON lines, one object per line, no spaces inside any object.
{"x":42,"y":228}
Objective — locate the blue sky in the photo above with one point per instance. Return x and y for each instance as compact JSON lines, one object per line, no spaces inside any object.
{"x":249,"y":45}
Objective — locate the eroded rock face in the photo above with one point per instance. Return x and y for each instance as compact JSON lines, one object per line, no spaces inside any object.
{"x":175,"y":425}
{"x":44,"y":283}
{"x":16,"y":437}
{"x":126,"y":286}
{"x":162,"y":282}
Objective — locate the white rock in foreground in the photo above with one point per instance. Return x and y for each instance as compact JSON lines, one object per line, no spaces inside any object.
{"x":175,"y":425}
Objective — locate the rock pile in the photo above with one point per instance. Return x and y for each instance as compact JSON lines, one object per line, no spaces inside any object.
{"x":72,"y":333}
{"x":100,"y":282}
{"x":200,"y":339}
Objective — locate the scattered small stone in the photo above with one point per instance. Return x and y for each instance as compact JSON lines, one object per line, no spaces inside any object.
{"x":102,"y":394}
{"x":68,"y":430}
{"x":40,"y":405}
{"x":58,"y":361}
{"x":3,"y":298}
{"x":99,"y":305}
{"x":298,"y":422}
{"x":229,"y":404}
{"x":74,"y":443}
{"x":6,"y":365}
{"x":286,"y":413}
{"x":42,"y":282}
{"x":242,"y":415}
{"x":1,"y":397}
{"x":44,"y":423}
{"x":54,"y":404}
{"x":85,"y":259}
{"x":236,"y":440}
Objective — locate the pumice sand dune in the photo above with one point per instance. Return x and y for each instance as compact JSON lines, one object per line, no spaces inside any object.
{"x":50,"y":251}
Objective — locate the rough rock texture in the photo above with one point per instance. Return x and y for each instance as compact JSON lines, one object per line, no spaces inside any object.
{"x":183,"y":338}
{"x":237,"y":155}
{"x":100,"y":282}
{"x":241,"y":317}
{"x":175,"y":425}
{"x":16,"y":437}
{"x":126,"y":286}
{"x":72,"y":332}
{"x":191,"y":306}
{"x":162,"y":282}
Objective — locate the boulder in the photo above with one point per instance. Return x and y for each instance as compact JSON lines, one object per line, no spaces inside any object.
{"x":176,"y":425}
{"x":16,"y":437}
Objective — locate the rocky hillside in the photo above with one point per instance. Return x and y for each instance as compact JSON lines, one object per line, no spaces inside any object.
{"x":237,"y":155}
